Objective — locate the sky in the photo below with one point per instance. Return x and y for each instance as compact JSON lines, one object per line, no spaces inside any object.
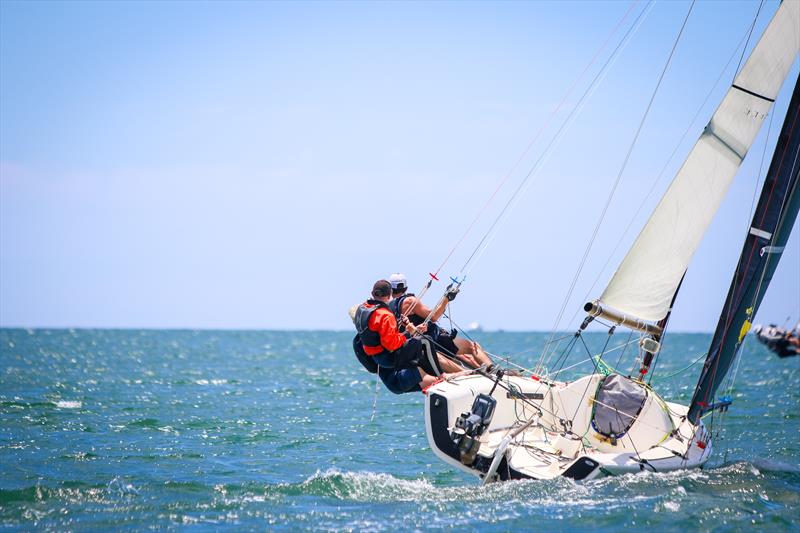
{"x":261,"y":164}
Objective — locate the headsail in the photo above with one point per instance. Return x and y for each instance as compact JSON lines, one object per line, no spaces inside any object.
{"x":645,"y":282}
{"x":772,"y":223}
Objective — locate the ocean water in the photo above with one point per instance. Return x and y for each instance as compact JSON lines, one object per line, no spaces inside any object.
{"x":211,"y":430}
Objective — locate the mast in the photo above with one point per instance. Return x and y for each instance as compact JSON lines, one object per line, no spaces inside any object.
{"x":645,"y":283}
{"x":772,"y":223}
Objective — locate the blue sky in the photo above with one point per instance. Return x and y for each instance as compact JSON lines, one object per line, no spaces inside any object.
{"x":261,"y":164}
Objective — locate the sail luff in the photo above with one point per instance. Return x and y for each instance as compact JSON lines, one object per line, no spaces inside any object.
{"x":769,"y":231}
{"x":645,"y":282}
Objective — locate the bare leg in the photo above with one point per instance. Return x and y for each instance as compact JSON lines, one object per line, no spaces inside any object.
{"x":469,"y":359}
{"x":473,"y":349}
{"x":480,"y":355}
{"x":426,"y":379}
{"x":447,"y":364}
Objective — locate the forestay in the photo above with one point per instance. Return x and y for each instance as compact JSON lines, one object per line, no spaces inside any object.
{"x":646,"y":280}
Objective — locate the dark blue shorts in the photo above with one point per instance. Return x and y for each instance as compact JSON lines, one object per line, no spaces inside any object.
{"x":400,"y":380}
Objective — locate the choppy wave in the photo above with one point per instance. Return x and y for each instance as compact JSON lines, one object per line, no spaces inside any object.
{"x":274,"y":430}
{"x":732,"y":495}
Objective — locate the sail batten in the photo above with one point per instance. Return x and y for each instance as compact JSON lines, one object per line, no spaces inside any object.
{"x":645,"y":282}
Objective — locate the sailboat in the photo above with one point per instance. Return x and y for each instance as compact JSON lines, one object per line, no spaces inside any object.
{"x":501,"y":427}
{"x":781,"y":341}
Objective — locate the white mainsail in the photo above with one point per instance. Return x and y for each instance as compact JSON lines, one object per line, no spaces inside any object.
{"x":645,"y":282}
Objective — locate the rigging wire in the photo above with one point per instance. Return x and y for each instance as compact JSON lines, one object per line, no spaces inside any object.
{"x":630,"y":335}
{"x":731,"y":380}
{"x":535,"y":138}
{"x":589,"y":382}
{"x":752,"y":27}
{"x":507,"y":358}
{"x":618,"y":347}
{"x":699,"y":358}
{"x":483,"y":243}
{"x":729,"y":317}
{"x":732,"y":377}
{"x":375,"y":398}
{"x":434,"y":275}
{"x":547,"y":151}
{"x":727,"y":312}
{"x":659,"y":177}
{"x":504,"y":357}
{"x":619,"y":176}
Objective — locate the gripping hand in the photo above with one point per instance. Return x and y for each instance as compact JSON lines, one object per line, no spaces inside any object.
{"x":451,"y":293}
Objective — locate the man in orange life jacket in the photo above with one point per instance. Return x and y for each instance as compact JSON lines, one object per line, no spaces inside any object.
{"x":403,"y":366}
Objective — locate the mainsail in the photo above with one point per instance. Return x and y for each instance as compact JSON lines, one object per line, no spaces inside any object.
{"x":646,"y":281}
{"x":772,"y":223}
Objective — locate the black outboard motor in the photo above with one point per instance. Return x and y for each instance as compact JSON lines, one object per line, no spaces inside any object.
{"x":470,"y":426}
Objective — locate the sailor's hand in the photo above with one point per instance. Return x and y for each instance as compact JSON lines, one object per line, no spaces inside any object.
{"x":422,"y":328}
{"x":451,"y":293}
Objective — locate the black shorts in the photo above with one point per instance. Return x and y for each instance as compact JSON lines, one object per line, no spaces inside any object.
{"x":411,"y":355}
{"x":445,"y":342}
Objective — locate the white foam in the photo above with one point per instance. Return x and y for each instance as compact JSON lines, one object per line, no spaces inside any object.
{"x":672,"y":506}
{"x":69,"y":404}
{"x":211,"y":381}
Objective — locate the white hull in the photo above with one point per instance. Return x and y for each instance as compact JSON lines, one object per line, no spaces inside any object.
{"x":660,"y":438}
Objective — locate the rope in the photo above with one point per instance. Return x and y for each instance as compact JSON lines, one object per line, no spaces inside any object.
{"x":483,"y":244}
{"x":589,"y":382}
{"x":761,"y":175}
{"x":701,"y":356}
{"x":619,"y":347}
{"x":507,"y":359}
{"x":619,"y":174}
{"x":533,"y":141}
{"x":658,"y":178}
{"x":729,"y":318}
{"x":630,"y":336}
{"x":750,"y":33}
{"x":375,"y":398}
{"x":435,"y":274}
{"x":729,"y":309}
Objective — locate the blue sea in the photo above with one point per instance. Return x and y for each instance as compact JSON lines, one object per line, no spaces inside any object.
{"x":133,"y":430}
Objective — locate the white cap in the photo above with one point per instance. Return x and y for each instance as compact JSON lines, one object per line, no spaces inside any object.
{"x":398,"y":281}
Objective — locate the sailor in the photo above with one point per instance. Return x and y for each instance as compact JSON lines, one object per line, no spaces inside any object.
{"x":405,"y":304}
{"x":403,"y":364}
{"x":793,"y":338}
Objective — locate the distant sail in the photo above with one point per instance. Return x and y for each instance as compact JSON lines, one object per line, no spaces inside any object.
{"x":645,"y":282}
{"x":772,"y":223}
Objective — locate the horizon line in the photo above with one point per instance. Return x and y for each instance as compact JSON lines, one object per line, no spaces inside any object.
{"x":295,"y":330}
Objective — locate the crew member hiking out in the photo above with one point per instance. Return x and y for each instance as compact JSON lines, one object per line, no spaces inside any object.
{"x":405,"y":304}
{"x":403,"y":364}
